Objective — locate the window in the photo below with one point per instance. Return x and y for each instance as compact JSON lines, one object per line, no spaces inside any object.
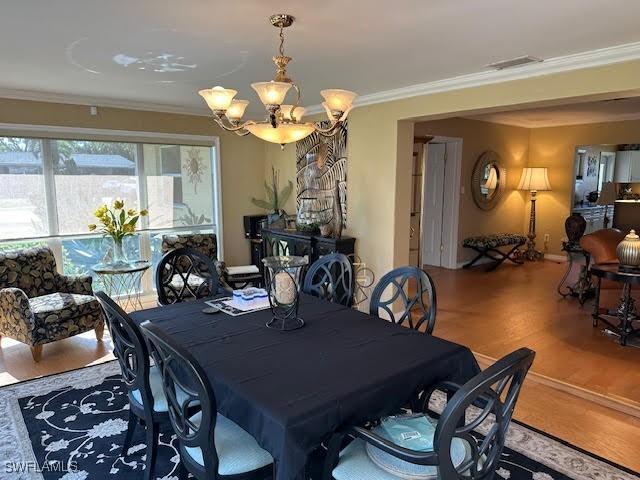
{"x":23,"y":212}
{"x":49,"y":190}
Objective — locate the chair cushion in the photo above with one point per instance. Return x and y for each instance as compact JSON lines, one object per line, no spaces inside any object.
{"x":494,"y":240}
{"x":58,"y":307}
{"x":355,"y":464}
{"x":238,"y":452}
{"x":155,"y":383}
{"x":193,"y":280}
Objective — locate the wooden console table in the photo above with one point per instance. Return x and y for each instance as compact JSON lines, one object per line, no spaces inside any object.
{"x":285,"y":242}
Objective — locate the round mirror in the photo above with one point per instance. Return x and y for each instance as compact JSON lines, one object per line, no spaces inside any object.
{"x":487,"y":182}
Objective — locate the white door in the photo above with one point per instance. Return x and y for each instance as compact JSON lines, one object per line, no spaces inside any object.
{"x":433,"y":203}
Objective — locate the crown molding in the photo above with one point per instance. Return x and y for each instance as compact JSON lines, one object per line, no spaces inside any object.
{"x":576,"y":61}
{"x":64,"y":98}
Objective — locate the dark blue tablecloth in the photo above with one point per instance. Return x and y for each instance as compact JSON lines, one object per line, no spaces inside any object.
{"x":291,"y":390}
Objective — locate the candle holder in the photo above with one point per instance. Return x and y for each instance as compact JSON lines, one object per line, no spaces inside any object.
{"x":283,"y":279}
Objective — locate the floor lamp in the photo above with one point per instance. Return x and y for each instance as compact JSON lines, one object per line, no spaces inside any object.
{"x":608,"y":196}
{"x":534,"y":180}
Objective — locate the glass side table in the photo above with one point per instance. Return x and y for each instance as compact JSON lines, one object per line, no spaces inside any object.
{"x":582,"y":288}
{"x":123,"y":282}
{"x":623,"y":321}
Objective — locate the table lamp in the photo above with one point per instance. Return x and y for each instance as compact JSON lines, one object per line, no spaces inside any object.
{"x":534,"y":180}
{"x":608,"y":196}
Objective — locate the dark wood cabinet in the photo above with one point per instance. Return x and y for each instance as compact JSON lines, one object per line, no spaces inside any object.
{"x":626,"y":215}
{"x":284,"y":242}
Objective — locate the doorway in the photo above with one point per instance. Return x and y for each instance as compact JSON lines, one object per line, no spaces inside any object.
{"x":440,"y":202}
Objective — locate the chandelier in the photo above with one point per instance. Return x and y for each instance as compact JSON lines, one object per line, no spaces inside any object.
{"x":284,"y":121}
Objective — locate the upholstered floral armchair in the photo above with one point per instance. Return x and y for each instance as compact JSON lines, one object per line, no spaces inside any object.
{"x":207,"y":244}
{"x":38,"y":305}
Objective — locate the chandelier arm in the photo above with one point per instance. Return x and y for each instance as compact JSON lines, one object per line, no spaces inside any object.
{"x":299,"y":96}
{"x":232,"y":128}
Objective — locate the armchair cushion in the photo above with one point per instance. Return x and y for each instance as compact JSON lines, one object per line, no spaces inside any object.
{"x":61,"y":315}
{"x":16,"y":317}
{"x":78,"y":284}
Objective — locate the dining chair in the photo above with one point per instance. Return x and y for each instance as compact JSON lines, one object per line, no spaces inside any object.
{"x":185,"y":274}
{"x":331,"y":278}
{"x":413,"y":290}
{"x":147,"y":402}
{"x":211,"y":446}
{"x":467,"y":438}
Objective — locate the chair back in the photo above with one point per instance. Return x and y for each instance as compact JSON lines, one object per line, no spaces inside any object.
{"x":492,"y":396}
{"x":188,"y":393}
{"x":205,"y":243}
{"x":32,"y":270}
{"x":602,"y":244}
{"x":185,"y":274}
{"x":331,"y":278}
{"x":129,"y":349}
{"x":411,"y":289}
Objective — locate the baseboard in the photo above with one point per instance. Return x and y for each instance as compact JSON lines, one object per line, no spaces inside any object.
{"x":482,"y":261}
{"x":613,"y":402}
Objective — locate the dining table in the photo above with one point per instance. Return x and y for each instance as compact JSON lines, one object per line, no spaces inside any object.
{"x":292,"y":389}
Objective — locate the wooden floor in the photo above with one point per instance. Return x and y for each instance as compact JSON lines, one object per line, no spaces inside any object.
{"x":496,"y":312}
{"x":493,"y":313}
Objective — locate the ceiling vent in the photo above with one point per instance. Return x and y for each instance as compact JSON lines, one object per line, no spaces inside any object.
{"x":514,"y":62}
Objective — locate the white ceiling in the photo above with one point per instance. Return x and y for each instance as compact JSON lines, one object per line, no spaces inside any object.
{"x":85,"y":47}
{"x":575,"y":114}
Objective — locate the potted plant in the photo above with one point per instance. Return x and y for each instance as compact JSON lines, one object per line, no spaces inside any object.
{"x":276,"y":198}
{"x":117,"y":222}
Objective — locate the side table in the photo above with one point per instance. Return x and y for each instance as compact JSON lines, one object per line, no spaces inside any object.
{"x":123,"y":282}
{"x":626,"y":313}
{"x":582,"y":288}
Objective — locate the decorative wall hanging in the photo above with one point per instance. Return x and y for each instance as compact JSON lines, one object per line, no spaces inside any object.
{"x":321,"y":164}
{"x":194,"y":166}
{"x":592,"y":166}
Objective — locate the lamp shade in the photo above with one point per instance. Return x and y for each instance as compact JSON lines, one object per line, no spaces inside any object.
{"x":338,"y":100}
{"x":534,"y":179}
{"x":236,"y":109}
{"x":283,"y":133}
{"x":298,"y":112}
{"x":271,"y":93}
{"x":218,"y":98}
{"x":492,"y":180}
{"x":608,"y":194}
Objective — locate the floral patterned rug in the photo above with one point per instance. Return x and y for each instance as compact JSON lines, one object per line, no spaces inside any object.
{"x":71,"y":427}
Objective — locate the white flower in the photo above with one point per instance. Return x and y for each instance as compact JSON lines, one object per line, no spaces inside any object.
{"x":43,"y":415}
{"x":58,"y":445}
{"x":79,"y":475}
{"x":86,"y":408}
{"x":541,"y":476}
{"x":503,"y":472}
{"x":108,"y":428}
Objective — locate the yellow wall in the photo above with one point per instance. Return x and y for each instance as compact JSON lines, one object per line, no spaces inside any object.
{"x":380,"y":148}
{"x":554,"y":147}
{"x":242,"y":158}
{"x":512,"y":144}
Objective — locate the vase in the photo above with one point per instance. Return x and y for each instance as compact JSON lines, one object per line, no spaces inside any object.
{"x":574,"y":226}
{"x":283,"y":279}
{"x":119,"y":256}
{"x":628,"y":251}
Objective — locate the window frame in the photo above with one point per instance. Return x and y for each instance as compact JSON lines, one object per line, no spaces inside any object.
{"x":49,"y":134}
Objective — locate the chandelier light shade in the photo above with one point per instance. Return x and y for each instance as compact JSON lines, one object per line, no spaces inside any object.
{"x":283,"y":123}
{"x":218,"y":98}
{"x":236,"y":110}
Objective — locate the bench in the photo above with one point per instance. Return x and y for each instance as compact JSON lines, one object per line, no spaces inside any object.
{"x":487,"y":246}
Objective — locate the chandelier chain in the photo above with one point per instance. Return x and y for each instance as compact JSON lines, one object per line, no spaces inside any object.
{"x":281,"y":40}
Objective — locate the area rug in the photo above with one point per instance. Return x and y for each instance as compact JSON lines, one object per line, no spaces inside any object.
{"x":71,"y":426}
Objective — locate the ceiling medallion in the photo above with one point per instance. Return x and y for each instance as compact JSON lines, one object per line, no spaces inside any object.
{"x":284,"y":121}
